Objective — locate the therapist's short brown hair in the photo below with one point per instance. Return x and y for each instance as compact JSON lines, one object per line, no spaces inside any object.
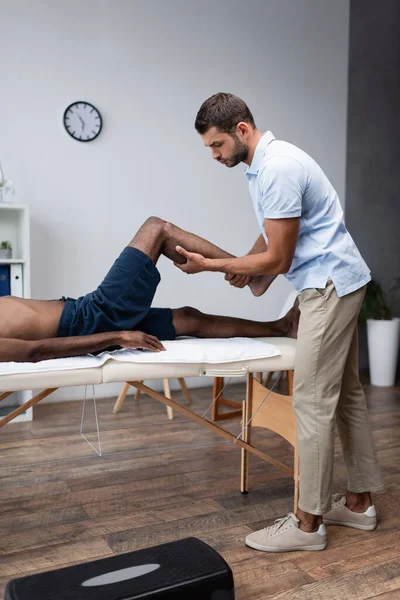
{"x":223,"y":111}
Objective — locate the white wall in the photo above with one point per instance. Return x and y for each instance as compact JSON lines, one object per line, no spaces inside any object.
{"x":148,"y":66}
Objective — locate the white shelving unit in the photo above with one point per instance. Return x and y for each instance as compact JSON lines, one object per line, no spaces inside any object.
{"x":15,"y":228}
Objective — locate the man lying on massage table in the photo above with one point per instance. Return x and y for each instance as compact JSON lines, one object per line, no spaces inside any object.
{"x":119,"y":313}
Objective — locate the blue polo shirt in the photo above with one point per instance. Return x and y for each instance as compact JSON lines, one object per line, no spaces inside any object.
{"x":286,"y":182}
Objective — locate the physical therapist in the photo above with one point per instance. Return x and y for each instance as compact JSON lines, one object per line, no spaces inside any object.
{"x":304,"y":237}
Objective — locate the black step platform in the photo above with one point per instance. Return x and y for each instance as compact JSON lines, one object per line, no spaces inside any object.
{"x":187,"y":569}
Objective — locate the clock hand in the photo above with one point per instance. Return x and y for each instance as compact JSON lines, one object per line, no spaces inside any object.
{"x":82,"y":121}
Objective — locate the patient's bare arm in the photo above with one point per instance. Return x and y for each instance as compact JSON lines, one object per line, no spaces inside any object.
{"x":33,"y":351}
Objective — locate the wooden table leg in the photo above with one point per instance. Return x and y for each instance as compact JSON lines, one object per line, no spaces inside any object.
{"x":246,"y":435}
{"x":40,"y":396}
{"x":186,"y":394}
{"x":167,"y":394}
{"x":121,"y":398}
{"x":268,"y":379}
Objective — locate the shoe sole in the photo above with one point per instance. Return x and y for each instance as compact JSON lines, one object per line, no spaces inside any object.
{"x":353,"y":525}
{"x":272,"y":549}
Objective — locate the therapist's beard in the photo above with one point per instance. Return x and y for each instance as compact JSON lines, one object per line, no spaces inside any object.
{"x":240,"y":152}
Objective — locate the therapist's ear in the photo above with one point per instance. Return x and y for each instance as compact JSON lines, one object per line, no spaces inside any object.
{"x":243,"y":130}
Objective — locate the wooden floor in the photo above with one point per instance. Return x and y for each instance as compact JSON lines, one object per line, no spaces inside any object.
{"x":158,"y":481}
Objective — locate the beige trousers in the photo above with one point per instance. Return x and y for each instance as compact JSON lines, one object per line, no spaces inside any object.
{"x":327,"y":388}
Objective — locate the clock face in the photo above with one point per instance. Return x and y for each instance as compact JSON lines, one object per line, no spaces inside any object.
{"x":82,"y":121}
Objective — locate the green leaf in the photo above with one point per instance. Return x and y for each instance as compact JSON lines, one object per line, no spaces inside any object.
{"x":375,"y":305}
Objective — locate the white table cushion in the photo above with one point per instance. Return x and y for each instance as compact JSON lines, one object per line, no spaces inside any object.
{"x":114,"y":370}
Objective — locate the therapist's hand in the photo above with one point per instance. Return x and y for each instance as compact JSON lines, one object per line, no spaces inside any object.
{"x":195,"y":263}
{"x":239,"y":281}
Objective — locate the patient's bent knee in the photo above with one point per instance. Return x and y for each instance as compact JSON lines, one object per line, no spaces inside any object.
{"x":188,"y":320}
{"x":168,"y":228}
{"x":163,"y":228}
{"x":154,"y":222}
{"x":192,"y":313}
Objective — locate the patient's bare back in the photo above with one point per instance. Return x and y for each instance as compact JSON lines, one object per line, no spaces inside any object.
{"x":25,"y":319}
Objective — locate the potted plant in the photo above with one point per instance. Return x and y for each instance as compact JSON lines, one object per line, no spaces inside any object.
{"x":5,"y":250}
{"x":383,"y":333}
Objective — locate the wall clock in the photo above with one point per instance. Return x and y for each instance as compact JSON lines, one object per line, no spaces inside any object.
{"x":82,"y":121}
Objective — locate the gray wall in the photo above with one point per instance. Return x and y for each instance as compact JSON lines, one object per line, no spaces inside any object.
{"x":148,"y":65}
{"x":373,"y":139}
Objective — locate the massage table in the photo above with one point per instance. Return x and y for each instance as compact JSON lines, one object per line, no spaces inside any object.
{"x":237,"y":357}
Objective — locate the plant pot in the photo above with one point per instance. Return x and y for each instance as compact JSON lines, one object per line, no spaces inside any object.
{"x":383,"y":346}
{"x":5,"y":252}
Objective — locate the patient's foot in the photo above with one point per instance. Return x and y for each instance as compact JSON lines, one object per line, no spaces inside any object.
{"x":260,"y":283}
{"x":290,"y":322}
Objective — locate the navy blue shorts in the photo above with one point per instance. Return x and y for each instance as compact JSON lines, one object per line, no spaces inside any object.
{"x":122,"y":302}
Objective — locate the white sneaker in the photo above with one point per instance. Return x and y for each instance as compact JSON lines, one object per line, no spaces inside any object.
{"x":341,"y":515}
{"x":286,"y":536}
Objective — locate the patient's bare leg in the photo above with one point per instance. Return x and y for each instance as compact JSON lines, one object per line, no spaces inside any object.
{"x":190,"y":321}
{"x":156,"y":237}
